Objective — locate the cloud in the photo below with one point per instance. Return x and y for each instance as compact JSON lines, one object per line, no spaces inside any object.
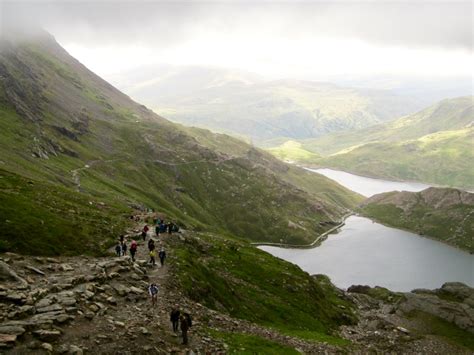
{"x":167,"y":24}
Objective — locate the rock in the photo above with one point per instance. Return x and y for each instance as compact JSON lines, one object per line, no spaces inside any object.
{"x":67,"y":301}
{"x":403,"y":330}
{"x":66,"y":267}
{"x":52,"y":308}
{"x":48,"y":347}
{"x":458,"y":313}
{"x":45,"y":302}
{"x":94,"y":308}
{"x":145,"y":331}
{"x":38,"y":271}
{"x":89,"y":315}
{"x":47,"y":335}
{"x":7,"y":338}
{"x":359,"y":289}
{"x":458,"y":290}
{"x":136,"y":290}
{"x":12,"y":329}
{"x":112,"y":300}
{"x":75,"y":350}
{"x":7,"y":274}
{"x":119,"y":324}
{"x":121,"y":289}
{"x":16,"y":297}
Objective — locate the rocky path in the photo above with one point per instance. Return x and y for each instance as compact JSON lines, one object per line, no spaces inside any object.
{"x":76,"y":305}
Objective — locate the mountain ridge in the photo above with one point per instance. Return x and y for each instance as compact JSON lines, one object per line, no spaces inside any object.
{"x":66,"y":128}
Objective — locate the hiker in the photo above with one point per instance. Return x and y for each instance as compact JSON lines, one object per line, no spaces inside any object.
{"x":152,"y":257}
{"x":151,"y":245}
{"x":162,"y":256}
{"x":174,"y":318}
{"x":124,"y":248}
{"x":169,"y":227}
{"x":133,"y":249}
{"x":144,"y":232}
{"x":162,"y":227}
{"x":153,"y":292}
{"x":184,"y":328}
{"x":122,"y":237}
{"x":118,"y":249}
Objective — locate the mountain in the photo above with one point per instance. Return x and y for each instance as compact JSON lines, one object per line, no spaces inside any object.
{"x":247,"y":106}
{"x":434,"y":145}
{"x":77,"y":156}
{"x":442,"y":213}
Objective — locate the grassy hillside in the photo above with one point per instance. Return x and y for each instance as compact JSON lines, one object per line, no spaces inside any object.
{"x":433,"y":146}
{"x":100,"y":154}
{"x":444,"y":158}
{"x":231,"y":276}
{"x":441,"y":213}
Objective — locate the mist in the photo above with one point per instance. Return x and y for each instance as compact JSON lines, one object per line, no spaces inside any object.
{"x":312,"y":40}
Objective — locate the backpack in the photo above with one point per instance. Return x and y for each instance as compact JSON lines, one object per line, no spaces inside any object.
{"x":188,"y":319}
{"x":153,"y":289}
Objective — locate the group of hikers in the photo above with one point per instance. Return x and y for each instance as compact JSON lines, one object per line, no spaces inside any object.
{"x":160,"y":228}
{"x":179,"y":319}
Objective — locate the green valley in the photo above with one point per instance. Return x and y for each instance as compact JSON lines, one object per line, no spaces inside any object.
{"x":433,"y":146}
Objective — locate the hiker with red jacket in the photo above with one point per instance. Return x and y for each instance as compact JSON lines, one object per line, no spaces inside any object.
{"x":144,"y":232}
{"x":133,"y":249}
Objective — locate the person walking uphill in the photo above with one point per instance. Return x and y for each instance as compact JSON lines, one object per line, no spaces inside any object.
{"x":151,"y":248}
{"x":174,"y":317}
{"x":153,"y":292}
{"x":144,"y":232}
{"x":118,"y":249}
{"x":162,"y":256}
{"x":184,"y":328}
{"x":133,"y":249}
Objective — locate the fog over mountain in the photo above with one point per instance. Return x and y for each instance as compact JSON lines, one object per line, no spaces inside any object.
{"x":308,"y":40}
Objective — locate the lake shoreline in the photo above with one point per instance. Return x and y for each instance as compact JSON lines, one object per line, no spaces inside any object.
{"x":388,"y":178}
{"x":366,"y":252}
{"x":414,"y":232}
{"x":317,"y":241}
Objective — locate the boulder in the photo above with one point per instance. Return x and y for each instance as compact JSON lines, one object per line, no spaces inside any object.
{"x":458,"y":313}
{"x":7,"y":274}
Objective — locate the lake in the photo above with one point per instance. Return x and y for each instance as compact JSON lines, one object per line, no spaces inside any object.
{"x":369,"y":253}
{"x":368,"y":186}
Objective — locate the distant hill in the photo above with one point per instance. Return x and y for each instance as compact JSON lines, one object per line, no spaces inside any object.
{"x":77,"y":156}
{"x":434,"y":145}
{"x":245,"y":105}
{"x":442,"y":213}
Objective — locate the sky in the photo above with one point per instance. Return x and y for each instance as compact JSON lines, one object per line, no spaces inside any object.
{"x":278,"y":39}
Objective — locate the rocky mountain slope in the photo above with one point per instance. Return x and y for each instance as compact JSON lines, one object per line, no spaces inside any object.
{"x":77,"y":155}
{"x":433,"y":145}
{"x":80,"y":305}
{"x":247,"y":106}
{"x":442,"y":213}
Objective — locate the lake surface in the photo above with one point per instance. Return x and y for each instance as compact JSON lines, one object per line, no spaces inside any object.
{"x":369,"y":186}
{"x":368,"y":253}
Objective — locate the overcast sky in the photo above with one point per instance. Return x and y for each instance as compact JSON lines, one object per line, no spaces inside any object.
{"x":305,"y":39}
